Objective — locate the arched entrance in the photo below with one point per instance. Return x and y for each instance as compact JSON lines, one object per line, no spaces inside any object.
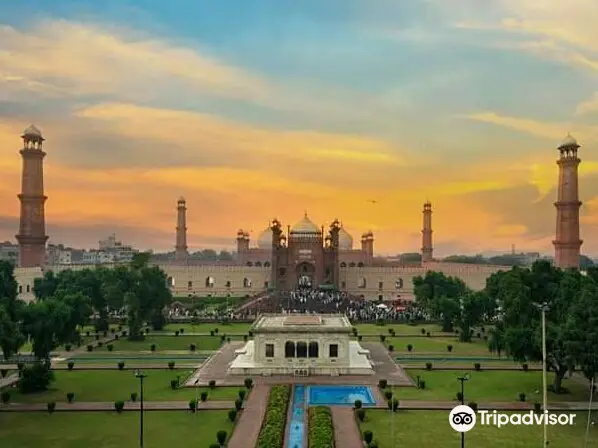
{"x":305,"y":275}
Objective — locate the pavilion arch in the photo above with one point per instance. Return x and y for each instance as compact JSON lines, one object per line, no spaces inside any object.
{"x":399,"y":283}
{"x":362,"y":283}
{"x":343,"y":264}
{"x":313,"y":349}
{"x":170,"y":281}
{"x":246,"y":282}
{"x":210,"y":282}
{"x":289,"y":349}
{"x":266,"y":264}
{"x":258,"y":264}
{"x":301,"y":349}
{"x":352,"y":265}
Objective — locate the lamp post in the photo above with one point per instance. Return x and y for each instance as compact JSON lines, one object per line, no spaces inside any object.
{"x":543,"y":307}
{"x":139,"y":374}
{"x":462,"y":379}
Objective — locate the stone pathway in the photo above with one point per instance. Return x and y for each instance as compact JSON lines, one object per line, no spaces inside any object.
{"x":346,"y":431}
{"x":248,"y":427}
{"x":215,"y":368}
{"x":109,"y":406}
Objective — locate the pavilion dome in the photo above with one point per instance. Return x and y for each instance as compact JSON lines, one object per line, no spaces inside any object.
{"x":345,"y":240}
{"x":305,"y":227}
{"x":568,"y":142}
{"x":265,"y":239}
{"x":32,"y":131}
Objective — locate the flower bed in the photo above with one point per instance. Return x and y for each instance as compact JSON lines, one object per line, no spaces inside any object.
{"x":321,"y":429}
{"x":274,"y":425}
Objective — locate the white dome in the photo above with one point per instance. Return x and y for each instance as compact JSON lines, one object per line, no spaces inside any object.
{"x":305,"y":226}
{"x":32,"y":131}
{"x":568,"y":142}
{"x":265,"y":239}
{"x":345,"y":240}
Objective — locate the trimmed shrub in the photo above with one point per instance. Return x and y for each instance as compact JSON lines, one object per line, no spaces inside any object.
{"x":212,"y":384}
{"x":360,"y":414}
{"x":473,"y":405}
{"x":51,"y":406}
{"x":121,"y":365}
{"x":153,"y":347}
{"x":70,"y":397}
{"x":68,"y":347}
{"x":20,"y":366}
{"x":477,"y":366}
{"x":171,"y":365}
{"x":521,"y":396}
{"x":70,"y":365}
{"x":409,"y":347}
{"x":3,"y":373}
{"x":232,"y":415}
{"x":321,"y":429}
{"x":428,"y":334}
{"x":238,"y":404}
{"x":368,"y":436}
{"x":35,"y":378}
{"x":357,"y":404}
{"x":221,"y":437}
{"x":133,"y":397}
{"x":248,"y":383}
{"x":245,"y":338}
{"x":174,"y":384}
{"x":5,"y":396}
{"x":89,"y":348}
{"x":211,"y":332}
{"x":100,"y":343}
{"x":182,"y":330}
{"x":215,"y":330}
{"x":203,"y":396}
{"x":242,"y":393}
{"x":382,"y":338}
{"x":423,"y":330}
{"x":192,"y":347}
{"x":176,"y":333}
{"x":110,"y":347}
{"x":525,"y":367}
{"x":382,"y":383}
{"x":360,"y":338}
{"x":119,"y":406}
{"x":428,"y":366}
{"x":538,"y":407}
{"x":391,"y":348}
{"x":449,"y":348}
{"x":388,"y":395}
{"x":274,"y":423}
{"x":192,"y":405}
{"x":393,"y":404}
{"x":228,"y":339}
{"x":459,"y":396}
{"x":116,"y":337}
{"x":422,"y":384}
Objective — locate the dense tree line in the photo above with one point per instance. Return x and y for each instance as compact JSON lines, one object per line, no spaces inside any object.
{"x":505,"y":260}
{"x":68,"y":299}
{"x":511,"y":302}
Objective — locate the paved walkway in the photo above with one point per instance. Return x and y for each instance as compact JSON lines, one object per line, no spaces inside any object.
{"x":248,"y":427}
{"x":109,"y":406}
{"x":346,"y":431}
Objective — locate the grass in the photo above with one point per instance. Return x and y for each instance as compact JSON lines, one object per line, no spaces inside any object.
{"x":420,"y":362}
{"x":112,"y":385}
{"x":439,"y":345}
{"x":164,"y":343}
{"x":431,"y":429}
{"x":111,"y":430}
{"x":487,"y":386}
{"x":375,"y":330}
{"x":233,"y":328}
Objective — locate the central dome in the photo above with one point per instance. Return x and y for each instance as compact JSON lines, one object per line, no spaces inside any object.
{"x":345,"y":240}
{"x":305,"y":227}
{"x":265,"y":239}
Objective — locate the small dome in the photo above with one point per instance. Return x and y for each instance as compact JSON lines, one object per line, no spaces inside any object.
{"x":240,"y":232}
{"x":32,"y":131}
{"x":568,"y":142}
{"x":305,"y":226}
{"x":345,"y":240}
{"x":181,"y":199}
{"x":265,"y":239}
{"x":367,"y":234}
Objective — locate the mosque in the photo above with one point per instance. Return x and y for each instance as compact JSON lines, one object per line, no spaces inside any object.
{"x":282,"y":259}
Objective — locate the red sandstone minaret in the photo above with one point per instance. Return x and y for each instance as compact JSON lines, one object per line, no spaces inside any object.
{"x":567,"y":244}
{"x":180,"y":249}
{"x":32,"y":229}
{"x":427,"y":247}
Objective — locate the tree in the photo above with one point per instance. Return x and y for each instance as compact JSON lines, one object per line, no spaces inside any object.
{"x":478,"y":259}
{"x":471,"y":312}
{"x":585,"y":262}
{"x":411,"y":257}
{"x":11,"y":337}
{"x":496,"y":340}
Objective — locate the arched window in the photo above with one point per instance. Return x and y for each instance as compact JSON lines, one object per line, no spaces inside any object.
{"x":399,"y":283}
{"x":170,"y":281}
{"x":20,"y":289}
{"x":380,"y":285}
{"x":267,"y":264}
{"x":249,"y":263}
{"x":189,"y":285}
{"x":360,"y":264}
{"x":266,"y":284}
{"x":301,"y":350}
{"x":343,"y":264}
{"x":289,"y":349}
{"x":351,"y":265}
{"x":28,"y":288}
{"x":246,"y":283}
{"x":228,"y":284}
{"x":209,"y":282}
{"x":258,"y":264}
{"x":313,"y":349}
{"x":362,"y":283}
{"x":282,"y":271}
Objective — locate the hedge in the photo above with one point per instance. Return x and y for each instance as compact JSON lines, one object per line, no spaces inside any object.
{"x":321,"y":429}
{"x":274,"y":425}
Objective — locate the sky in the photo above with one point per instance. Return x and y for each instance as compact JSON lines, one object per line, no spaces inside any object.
{"x":263,"y":109}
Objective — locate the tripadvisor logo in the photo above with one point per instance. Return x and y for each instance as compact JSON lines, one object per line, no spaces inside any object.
{"x":463,"y":418}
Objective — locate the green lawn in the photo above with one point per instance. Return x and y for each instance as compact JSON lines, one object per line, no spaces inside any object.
{"x":231,"y":328}
{"x":432,"y":429}
{"x":420,"y":362}
{"x":111,"y":430}
{"x":373,"y":329}
{"x":165,"y":343}
{"x":112,"y":385}
{"x":487,"y":386}
{"x":439,"y":345}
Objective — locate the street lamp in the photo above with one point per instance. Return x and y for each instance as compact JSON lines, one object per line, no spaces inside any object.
{"x":462,"y":379}
{"x":139,"y":374}
{"x":543,"y":307}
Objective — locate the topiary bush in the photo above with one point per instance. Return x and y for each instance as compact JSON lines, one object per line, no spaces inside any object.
{"x":68,"y":347}
{"x":428,"y":334}
{"x":477,"y":366}
{"x":537,"y":407}
{"x":248,"y":383}
{"x":525,"y":367}
{"x":119,"y":406}
{"x":110,"y":347}
{"x":171,"y":365}
{"x":221,"y":437}
{"x":391,"y":348}
{"x":89,"y":348}
{"x":70,"y":397}
{"x":153,"y":347}
{"x":70,"y":365}
{"x":121,"y":365}
{"x":133,"y":397}
{"x":3,"y":373}
{"x":382,"y":383}
{"x":242,"y":393}
{"x":5,"y":397}
{"x":192,"y":405}
{"x":409,"y":347}
{"x":428,"y":366}
{"x":393,"y":404}
{"x":192,"y":347}
{"x":274,"y":423}
{"x":174,"y":384}
{"x":232,"y":415}
{"x":473,"y":405}
{"x":176,"y":333}
{"x":459,"y":396}
{"x":203,"y":396}
{"x":522,"y":396}
{"x":357,"y":404}
{"x":360,"y":414}
{"x":212,"y":384}
{"x":382,"y":338}
{"x":388,"y":395}
{"x":360,"y":338}
{"x":238,"y":404}
{"x":368,"y":436}
{"x":449,"y":348}
{"x":35,"y":378}
{"x":51,"y":406}
{"x":321,"y":429}
{"x":182,"y":330}
{"x":423,"y":330}
{"x":422,"y":384}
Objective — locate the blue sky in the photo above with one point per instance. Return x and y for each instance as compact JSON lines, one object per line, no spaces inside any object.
{"x":303,"y":104}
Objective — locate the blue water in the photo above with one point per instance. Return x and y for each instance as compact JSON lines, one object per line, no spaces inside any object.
{"x":340,"y":395}
{"x":296,"y":431}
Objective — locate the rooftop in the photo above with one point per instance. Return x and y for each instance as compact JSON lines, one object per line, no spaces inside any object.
{"x":302,"y":323}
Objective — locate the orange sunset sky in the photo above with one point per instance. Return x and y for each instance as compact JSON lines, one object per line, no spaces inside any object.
{"x":263,"y":109}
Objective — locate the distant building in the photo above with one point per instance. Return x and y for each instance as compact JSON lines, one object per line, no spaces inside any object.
{"x":58,"y":254}
{"x":9,"y":252}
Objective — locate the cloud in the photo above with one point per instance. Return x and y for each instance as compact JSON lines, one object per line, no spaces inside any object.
{"x":589,"y":106}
